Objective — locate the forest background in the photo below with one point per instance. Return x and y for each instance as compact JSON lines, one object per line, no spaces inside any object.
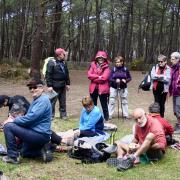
{"x":139,"y":30}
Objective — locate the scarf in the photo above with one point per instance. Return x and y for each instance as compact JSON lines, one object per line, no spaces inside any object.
{"x":158,"y":71}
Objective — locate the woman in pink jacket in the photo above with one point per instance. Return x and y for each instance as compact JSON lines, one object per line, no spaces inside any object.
{"x":99,"y":73}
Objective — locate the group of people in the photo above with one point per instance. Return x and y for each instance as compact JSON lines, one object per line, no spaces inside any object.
{"x":27,"y":132}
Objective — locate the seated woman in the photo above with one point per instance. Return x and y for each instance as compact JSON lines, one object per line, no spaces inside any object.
{"x":91,"y":120}
{"x":91,"y":124}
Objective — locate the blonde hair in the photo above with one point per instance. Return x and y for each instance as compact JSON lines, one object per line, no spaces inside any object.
{"x":86,"y":101}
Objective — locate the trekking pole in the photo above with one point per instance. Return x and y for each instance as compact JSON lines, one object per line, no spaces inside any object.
{"x":118,"y":96}
{"x":122,"y":107}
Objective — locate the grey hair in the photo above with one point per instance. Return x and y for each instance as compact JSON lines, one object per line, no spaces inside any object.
{"x":176,"y":55}
{"x":162,"y":57}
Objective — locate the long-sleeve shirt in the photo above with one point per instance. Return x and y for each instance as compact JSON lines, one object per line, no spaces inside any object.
{"x":119,"y":73}
{"x":38,"y":117}
{"x":91,"y":121}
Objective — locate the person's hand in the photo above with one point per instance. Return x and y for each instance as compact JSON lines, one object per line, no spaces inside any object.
{"x":133,"y":147}
{"x":67,"y":87}
{"x":8,"y":120}
{"x":123,"y":80}
{"x":76,"y":133}
{"x":49,"y":89}
{"x":118,"y":81}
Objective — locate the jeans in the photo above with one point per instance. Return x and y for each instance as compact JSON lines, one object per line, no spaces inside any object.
{"x":32,"y":142}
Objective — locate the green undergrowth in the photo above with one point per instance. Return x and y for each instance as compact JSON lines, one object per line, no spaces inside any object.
{"x":62,"y":167}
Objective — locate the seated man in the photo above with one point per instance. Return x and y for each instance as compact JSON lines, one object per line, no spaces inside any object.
{"x":33,"y":129}
{"x":9,"y":101}
{"x":149,"y":140}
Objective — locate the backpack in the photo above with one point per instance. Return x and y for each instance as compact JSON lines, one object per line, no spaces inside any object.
{"x":146,"y":82}
{"x":89,"y":154}
{"x":45,"y":64}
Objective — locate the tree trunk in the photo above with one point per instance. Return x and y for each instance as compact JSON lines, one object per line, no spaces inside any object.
{"x":55,"y":27}
{"x":37,"y":43}
{"x":3,"y":30}
{"x":24,"y":31}
{"x":125,"y":29}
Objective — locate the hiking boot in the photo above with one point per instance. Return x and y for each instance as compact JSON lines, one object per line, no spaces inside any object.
{"x":126,"y":163}
{"x":46,"y":154}
{"x":114,"y":162}
{"x":111,"y":149}
{"x":8,"y":159}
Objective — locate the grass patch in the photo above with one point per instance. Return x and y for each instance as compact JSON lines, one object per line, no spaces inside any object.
{"x":63,"y":167}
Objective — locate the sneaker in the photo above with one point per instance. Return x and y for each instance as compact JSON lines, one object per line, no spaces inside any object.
{"x":111,"y":149}
{"x":8,"y":159}
{"x":46,"y":154}
{"x":114,"y":162}
{"x":126,"y":163}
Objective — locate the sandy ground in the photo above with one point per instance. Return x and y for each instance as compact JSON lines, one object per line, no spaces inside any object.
{"x":79,"y":89}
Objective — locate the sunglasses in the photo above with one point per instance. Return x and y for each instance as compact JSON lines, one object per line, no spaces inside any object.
{"x":160,"y":61}
{"x":34,"y":87}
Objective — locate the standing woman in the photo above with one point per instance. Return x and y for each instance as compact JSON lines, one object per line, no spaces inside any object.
{"x":161,"y":76}
{"x":119,"y":78}
{"x":99,"y":73}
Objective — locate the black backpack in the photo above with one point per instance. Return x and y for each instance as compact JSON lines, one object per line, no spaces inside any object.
{"x":89,"y":156}
{"x":146,"y":82}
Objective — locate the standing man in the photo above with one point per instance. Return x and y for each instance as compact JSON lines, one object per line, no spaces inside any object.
{"x":33,"y":129}
{"x":57,"y":78}
{"x":174,"y":89}
{"x":160,"y":75}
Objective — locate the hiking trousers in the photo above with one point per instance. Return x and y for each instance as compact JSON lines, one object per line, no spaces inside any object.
{"x":104,"y":102}
{"x":62,"y":102}
{"x":160,"y":97}
{"x":121,"y":96}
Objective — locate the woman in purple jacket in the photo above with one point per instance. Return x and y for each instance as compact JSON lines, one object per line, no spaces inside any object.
{"x":99,"y":73}
{"x":119,"y":78}
{"x":174,"y":88}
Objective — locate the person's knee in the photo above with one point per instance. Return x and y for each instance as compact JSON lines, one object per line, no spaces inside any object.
{"x":150,"y":137}
{"x":112,"y":100}
{"x":8,"y":126}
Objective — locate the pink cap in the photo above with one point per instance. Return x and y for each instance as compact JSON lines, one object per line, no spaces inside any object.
{"x":59,"y":51}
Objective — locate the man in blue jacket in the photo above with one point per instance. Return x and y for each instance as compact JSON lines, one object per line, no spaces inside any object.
{"x":33,"y":129}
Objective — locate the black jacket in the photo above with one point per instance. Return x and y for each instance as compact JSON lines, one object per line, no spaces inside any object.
{"x":21,"y":100}
{"x":57,"y":74}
